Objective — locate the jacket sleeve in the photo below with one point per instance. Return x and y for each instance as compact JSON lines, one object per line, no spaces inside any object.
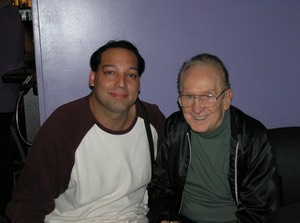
{"x":44,"y":177}
{"x":257,"y":177}
{"x":162,"y":200}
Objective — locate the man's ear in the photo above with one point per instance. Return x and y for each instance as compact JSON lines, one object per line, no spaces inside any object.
{"x":227,"y":99}
{"x":92,"y":79}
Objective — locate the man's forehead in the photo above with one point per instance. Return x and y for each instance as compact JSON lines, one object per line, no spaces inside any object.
{"x":116,"y":66}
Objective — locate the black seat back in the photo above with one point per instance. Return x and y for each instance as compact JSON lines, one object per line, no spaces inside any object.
{"x":286,"y":142}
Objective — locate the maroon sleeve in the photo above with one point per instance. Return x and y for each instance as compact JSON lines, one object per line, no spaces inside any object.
{"x":49,"y":164}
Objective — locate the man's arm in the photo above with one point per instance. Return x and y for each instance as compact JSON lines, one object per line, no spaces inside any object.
{"x":161,"y":195}
{"x":44,"y":177}
{"x":258,"y":193}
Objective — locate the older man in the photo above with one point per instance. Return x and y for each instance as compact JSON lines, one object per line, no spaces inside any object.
{"x":216,"y":163}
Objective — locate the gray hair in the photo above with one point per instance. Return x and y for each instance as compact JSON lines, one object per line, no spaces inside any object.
{"x":205,"y":59}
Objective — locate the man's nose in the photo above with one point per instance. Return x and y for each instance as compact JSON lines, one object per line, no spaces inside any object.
{"x":197,"y":105}
{"x":121,"y":81}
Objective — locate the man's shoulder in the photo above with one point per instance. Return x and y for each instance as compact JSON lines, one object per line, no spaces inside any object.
{"x":176,"y":117}
{"x":73,"y":105}
{"x":69,"y":112}
{"x":150,"y":106}
{"x":240,"y":121}
{"x":176,"y":123}
{"x":155,"y":115}
{"x":153,"y":110}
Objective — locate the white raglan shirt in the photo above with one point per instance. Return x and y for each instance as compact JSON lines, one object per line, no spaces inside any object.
{"x":108,"y":179}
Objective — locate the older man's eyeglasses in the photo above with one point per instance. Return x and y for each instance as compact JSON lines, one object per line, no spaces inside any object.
{"x":207,"y":101}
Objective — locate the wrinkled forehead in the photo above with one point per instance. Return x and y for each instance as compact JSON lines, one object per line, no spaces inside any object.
{"x":210,"y":64}
{"x":203,"y":71}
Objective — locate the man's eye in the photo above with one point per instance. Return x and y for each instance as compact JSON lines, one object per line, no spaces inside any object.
{"x":189,"y":97}
{"x":209,"y":96}
{"x":109,"y":72}
{"x":133,"y":76}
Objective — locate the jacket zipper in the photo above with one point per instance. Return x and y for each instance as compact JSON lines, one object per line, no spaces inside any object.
{"x":189,"y":141}
{"x":235,"y":173}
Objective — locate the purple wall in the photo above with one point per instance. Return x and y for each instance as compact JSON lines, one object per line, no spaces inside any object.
{"x":259,"y":41}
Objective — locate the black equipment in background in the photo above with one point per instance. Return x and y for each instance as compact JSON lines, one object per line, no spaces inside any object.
{"x":27,"y":80}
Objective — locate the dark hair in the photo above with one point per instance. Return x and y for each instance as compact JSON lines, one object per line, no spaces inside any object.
{"x":207,"y":59}
{"x":95,"y":59}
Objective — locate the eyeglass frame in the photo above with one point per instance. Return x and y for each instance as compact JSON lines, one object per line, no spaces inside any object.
{"x":199,"y":98}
